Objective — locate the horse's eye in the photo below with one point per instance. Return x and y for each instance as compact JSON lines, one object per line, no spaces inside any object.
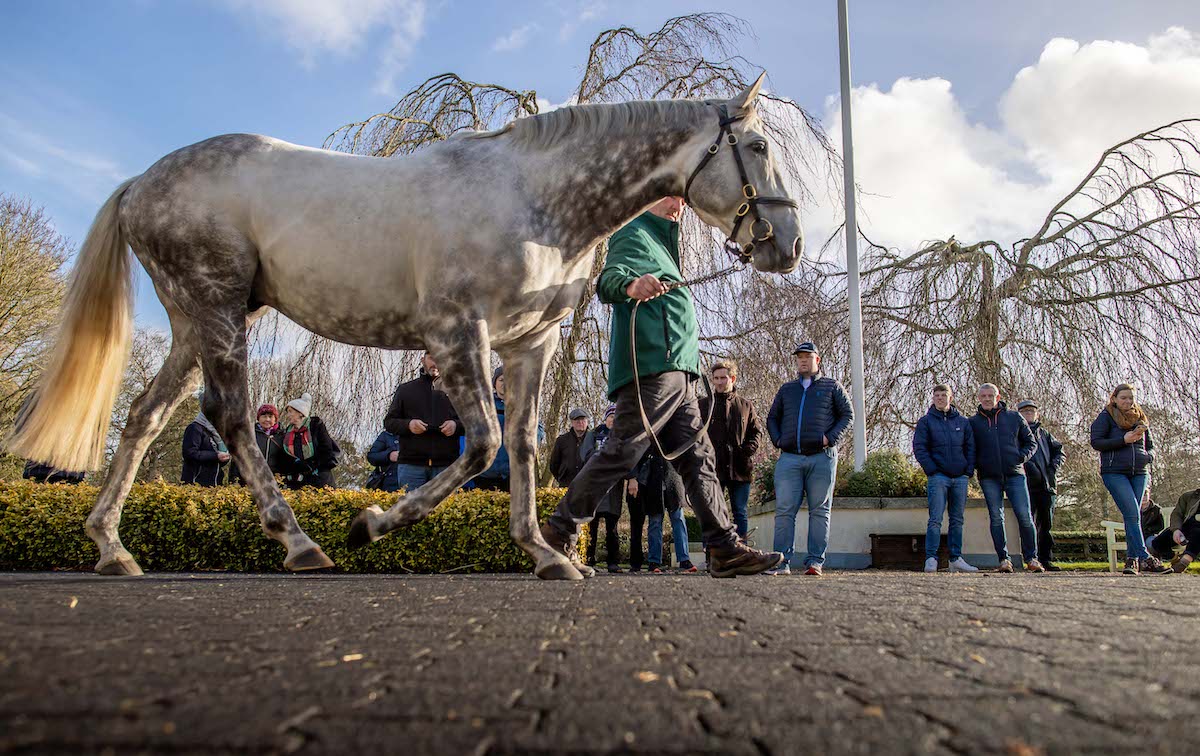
{"x":759,"y":148}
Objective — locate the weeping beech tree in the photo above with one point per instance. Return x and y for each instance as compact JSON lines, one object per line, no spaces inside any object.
{"x":1105,"y":289}
{"x":689,"y":57}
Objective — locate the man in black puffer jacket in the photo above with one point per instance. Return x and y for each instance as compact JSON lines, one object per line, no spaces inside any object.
{"x":1003,"y":444}
{"x":1041,"y":475}
{"x":427,"y":426}
{"x":806,"y":420}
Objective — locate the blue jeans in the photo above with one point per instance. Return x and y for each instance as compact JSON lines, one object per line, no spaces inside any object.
{"x":797,"y":476}
{"x":1018,"y":495}
{"x":1127,"y":491}
{"x":739,"y":502}
{"x":654,"y":541}
{"x":679,"y":535}
{"x":943,"y":490}
{"x":412,"y":477}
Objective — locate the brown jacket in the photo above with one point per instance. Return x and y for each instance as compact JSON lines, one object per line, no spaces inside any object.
{"x":735,"y":433}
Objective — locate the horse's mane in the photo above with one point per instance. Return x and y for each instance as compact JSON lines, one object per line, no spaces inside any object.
{"x":593,"y":121}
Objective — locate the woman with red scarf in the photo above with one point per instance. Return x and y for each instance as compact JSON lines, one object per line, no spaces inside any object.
{"x":1121,"y":433}
{"x":309,"y":453}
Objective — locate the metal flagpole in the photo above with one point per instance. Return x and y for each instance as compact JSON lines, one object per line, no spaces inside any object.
{"x":858,"y":388}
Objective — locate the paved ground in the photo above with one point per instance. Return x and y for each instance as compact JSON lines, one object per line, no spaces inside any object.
{"x":867,"y":662}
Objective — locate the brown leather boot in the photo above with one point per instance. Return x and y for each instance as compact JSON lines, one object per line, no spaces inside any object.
{"x":740,"y":559}
{"x":565,"y":545}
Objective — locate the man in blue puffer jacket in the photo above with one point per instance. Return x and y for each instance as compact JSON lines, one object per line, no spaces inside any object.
{"x":1003,"y":444}
{"x":495,"y":478}
{"x":806,"y":420}
{"x":944,"y":446}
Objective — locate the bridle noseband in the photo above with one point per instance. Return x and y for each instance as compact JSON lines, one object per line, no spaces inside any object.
{"x":752,"y":200}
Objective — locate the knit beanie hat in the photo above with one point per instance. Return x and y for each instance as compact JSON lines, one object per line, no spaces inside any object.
{"x":496,"y":375}
{"x":612,"y":410}
{"x":266,"y":409}
{"x":302,"y":405}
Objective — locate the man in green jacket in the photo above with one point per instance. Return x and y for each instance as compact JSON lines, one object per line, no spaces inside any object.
{"x":1184,"y":531}
{"x":641,"y":257}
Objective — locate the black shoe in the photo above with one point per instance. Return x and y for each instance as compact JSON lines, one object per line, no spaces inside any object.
{"x":565,"y":545}
{"x":740,"y":559}
{"x":615,"y":568}
{"x":1154,"y":566}
{"x":635,"y":568}
{"x":1051,"y":566}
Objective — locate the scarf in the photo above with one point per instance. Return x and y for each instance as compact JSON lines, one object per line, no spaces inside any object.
{"x":212,"y":432}
{"x":303,"y":436}
{"x":1127,"y":419}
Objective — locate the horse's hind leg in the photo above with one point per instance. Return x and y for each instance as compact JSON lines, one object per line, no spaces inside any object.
{"x":178,"y":377}
{"x":227,"y":406}
{"x":462,"y":356}
{"x":524,"y":372}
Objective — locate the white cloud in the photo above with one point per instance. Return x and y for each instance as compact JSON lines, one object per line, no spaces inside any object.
{"x":342,"y":26}
{"x":577,"y":14}
{"x":929,"y":171}
{"x":515,"y":39}
{"x":86,"y":175}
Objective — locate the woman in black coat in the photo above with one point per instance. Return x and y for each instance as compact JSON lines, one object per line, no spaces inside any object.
{"x":204,"y":454}
{"x":1121,"y":433}
{"x":308,"y":453}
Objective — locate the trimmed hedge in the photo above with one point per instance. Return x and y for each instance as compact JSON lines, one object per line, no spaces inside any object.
{"x":173,"y":528}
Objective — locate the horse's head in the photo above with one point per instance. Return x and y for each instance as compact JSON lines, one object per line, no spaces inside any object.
{"x":737,"y":187}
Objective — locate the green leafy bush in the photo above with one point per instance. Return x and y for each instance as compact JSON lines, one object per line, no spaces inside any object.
{"x":887,"y":473}
{"x":185,"y":528}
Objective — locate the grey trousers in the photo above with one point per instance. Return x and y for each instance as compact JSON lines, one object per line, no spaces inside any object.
{"x":670,"y":401}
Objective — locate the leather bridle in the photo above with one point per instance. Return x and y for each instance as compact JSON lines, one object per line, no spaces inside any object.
{"x":749,"y":207}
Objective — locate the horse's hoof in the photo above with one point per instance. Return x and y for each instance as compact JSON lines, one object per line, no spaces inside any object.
{"x":360,"y":528}
{"x":586,"y":571}
{"x":313,"y":559}
{"x":557,"y":570}
{"x":123,"y":565}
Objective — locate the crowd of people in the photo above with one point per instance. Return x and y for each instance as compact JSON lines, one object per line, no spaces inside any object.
{"x":621,"y":460}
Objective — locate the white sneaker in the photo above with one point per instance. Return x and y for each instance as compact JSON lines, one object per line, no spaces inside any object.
{"x":960,"y":565}
{"x":931,"y":564}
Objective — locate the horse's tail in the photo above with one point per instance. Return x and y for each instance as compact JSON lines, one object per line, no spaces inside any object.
{"x":67,"y":420}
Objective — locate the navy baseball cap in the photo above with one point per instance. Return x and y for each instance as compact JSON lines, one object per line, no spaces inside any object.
{"x":807,"y":346}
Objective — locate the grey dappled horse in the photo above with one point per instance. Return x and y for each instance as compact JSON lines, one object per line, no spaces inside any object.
{"x":481,"y":242}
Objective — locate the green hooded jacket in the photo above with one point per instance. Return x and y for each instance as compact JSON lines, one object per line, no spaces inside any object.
{"x":667,"y":334}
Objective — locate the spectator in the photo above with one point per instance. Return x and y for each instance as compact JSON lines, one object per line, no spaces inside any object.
{"x":651,"y":377}
{"x":1041,"y":475}
{"x":610,"y":506}
{"x":383,"y":455}
{"x":944,"y":446}
{"x":1003,"y":444}
{"x":43,"y":473}
{"x":496,"y":477}
{"x":1184,"y":532}
{"x":807,"y":418}
{"x":1152,"y":515}
{"x":1121,"y":433}
{"x":266,"y":432}
{"x":735,"y":435}
{"x":204,"y":453}
{"x":426,"y":425}
{"x":657,"y":490}
{"x":308,"y":453}
{"x":572,"y":448}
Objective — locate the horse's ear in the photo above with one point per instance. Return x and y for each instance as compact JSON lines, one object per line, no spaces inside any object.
{"x":745,"y":100}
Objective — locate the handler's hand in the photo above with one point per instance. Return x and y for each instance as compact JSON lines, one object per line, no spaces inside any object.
{"x":447,"y":428}
{"x":417,"y":426}
{"x":632,"y":487}
{"x":646,"y":287}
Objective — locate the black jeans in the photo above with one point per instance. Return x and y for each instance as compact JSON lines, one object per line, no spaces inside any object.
{"x":612,"y":542}
{"x":1042,"y":504}
{"x":1163,"y":544}
{"x":637,"y":521}
{"x":670,"y":402}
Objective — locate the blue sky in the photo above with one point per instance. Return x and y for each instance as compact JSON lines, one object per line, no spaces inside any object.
{"x":94,"y":91}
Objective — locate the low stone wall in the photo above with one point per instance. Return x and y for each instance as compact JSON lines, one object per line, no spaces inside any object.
{"x":853,"y":521}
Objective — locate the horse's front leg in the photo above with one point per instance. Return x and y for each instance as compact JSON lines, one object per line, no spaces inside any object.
{"x":524,"y":371}
{"x":463,"y":359}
